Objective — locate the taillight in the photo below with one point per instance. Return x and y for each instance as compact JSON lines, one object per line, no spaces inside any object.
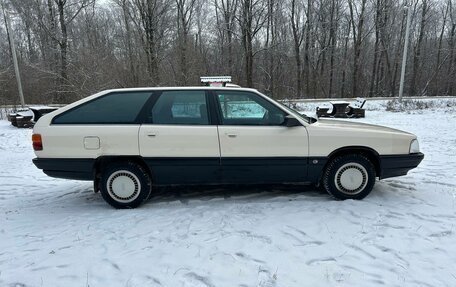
{"x":37,"y":142}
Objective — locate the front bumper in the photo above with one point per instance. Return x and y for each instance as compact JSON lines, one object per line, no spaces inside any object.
{"x":397,"y":165}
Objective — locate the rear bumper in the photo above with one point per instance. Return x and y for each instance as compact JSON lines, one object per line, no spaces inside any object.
{"x":71,"y":168}
{"x":397,"y":165}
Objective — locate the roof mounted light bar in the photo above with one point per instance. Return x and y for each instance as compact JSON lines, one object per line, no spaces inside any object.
{"x":215,"y":81}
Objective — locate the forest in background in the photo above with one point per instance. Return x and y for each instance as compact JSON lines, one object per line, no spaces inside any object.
{"x":69,"y":49}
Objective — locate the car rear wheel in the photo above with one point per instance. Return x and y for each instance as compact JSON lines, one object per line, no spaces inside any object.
{"x":125,"y":185}
{"x":349,"y":177}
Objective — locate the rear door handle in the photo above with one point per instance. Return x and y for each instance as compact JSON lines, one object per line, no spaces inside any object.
{"x":152,"y":134}
{"x":231,"y":135}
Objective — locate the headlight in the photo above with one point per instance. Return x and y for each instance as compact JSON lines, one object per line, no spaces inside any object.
{"x":414,"y":146}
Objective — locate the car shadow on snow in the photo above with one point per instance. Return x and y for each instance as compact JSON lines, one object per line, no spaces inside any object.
{"x":83,"y":195}
{"x":384,"y":192}
{"x":186,"y":194}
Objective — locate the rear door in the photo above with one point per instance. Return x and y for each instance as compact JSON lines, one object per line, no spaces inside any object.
{"x":256,"y":146}
{"x":178,"y":140}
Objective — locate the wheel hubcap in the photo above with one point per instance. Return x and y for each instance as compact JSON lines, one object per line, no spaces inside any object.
{"x":123,"y":186}
{"x":351,"y":178}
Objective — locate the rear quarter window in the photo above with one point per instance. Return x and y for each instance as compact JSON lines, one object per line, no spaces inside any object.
{"x":114,"y":108}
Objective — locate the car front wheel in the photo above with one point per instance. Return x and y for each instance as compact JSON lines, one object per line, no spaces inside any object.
{"x":349,"y":177}
{"x":125,"y":185}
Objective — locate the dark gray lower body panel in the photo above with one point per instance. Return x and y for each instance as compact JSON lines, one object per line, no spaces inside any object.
{"x":166,"y":171}
{"x":242,"y":170}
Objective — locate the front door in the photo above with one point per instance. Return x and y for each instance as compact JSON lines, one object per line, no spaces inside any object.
{"x":256,"y":146}
{"x":178,"y":140}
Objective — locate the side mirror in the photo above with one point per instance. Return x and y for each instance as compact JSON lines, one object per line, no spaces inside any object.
{"x":291,"y":121}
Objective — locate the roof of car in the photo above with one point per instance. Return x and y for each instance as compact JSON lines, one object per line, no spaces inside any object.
{"x":180,"y":89}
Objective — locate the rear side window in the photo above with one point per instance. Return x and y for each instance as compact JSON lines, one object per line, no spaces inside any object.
{"x":115,"y":108}
{"x":180,"y":108}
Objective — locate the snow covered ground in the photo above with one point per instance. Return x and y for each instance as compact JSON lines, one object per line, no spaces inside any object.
{"x":59,"y":233}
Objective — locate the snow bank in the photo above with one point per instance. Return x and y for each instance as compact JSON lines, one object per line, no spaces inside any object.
{"x":407,"y":105}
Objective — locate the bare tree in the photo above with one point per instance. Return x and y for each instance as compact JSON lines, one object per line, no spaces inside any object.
{"x":333,"y":28}
{"x":251,"y":20}
{"x":185,"y":9}
{"x":148,"y":16}
{"x":418,"y":47}
{"x":451,"y":43}
{"x":308,"y":48}
{"x":67,"y":12}
{"x":358,"y":30}
{"x":297,"y":27}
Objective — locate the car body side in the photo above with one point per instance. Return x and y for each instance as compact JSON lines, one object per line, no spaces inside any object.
{"x":191,"y":154}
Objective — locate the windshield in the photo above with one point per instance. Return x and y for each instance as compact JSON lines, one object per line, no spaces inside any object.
{"x":306,"y":118}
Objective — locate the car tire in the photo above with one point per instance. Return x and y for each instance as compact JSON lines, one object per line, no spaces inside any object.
{"x":349,"y":177}
{"x":125,"y":185}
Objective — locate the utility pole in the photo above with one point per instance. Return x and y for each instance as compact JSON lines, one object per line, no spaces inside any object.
{"x":404,"y":54}
{"x":13,"y":54}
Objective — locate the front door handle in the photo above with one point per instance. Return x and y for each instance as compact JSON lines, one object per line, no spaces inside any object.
{"x":231,"y":135}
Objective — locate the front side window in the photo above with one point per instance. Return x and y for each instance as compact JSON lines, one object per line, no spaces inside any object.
{"x":180,"y":108}
{"x":114,"y":108}
{"x":244,"y":108}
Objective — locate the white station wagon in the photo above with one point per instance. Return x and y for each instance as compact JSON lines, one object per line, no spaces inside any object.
{"x":128,"y":140}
